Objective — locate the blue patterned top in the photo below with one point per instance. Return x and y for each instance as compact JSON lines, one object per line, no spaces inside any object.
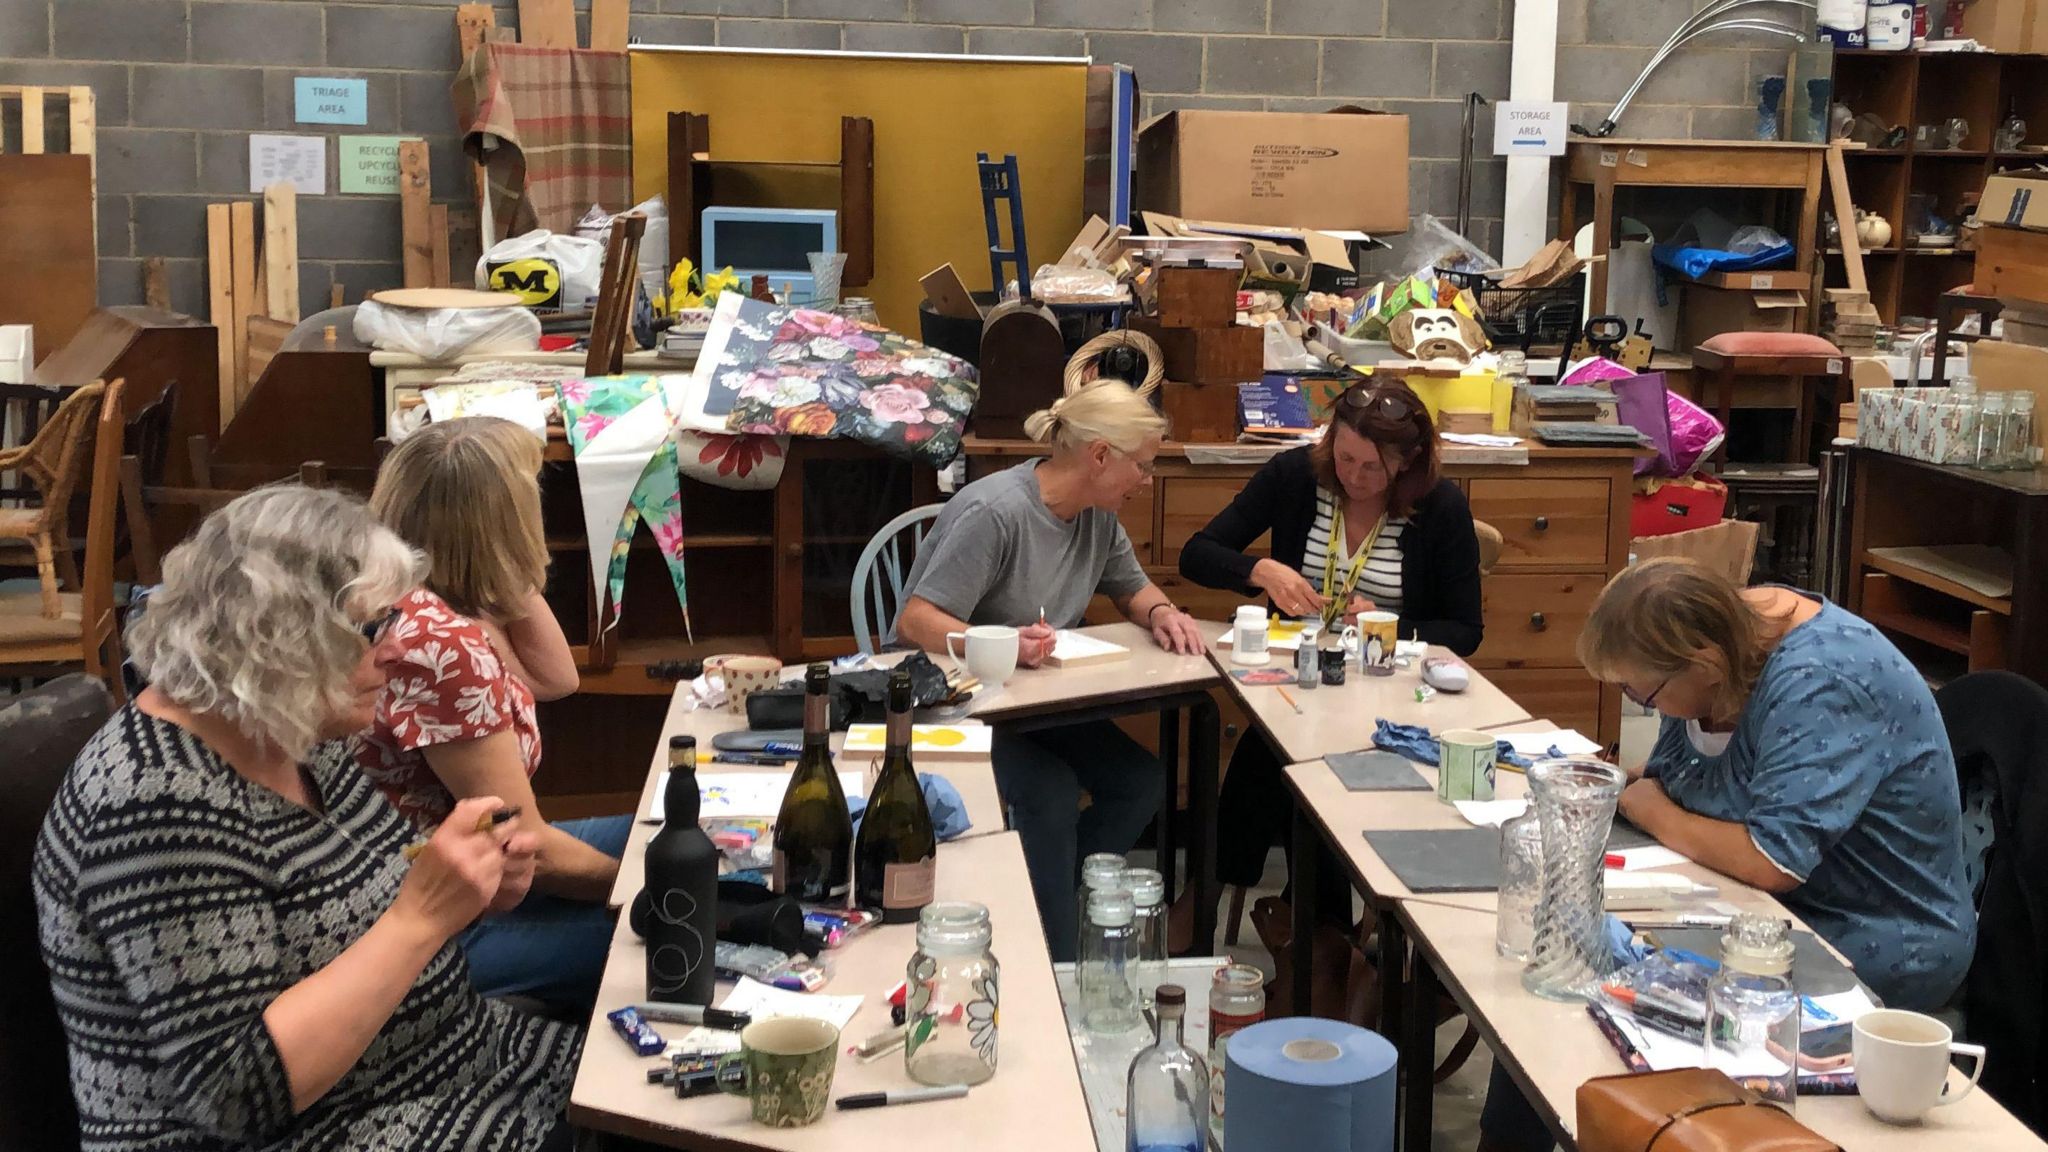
{"x":1841,"y":770}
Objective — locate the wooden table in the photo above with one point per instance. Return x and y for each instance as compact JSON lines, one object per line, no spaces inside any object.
{"x":1341,"y":719}
{"x":1034,"y":1103}
{"x":1151,"y":680}
{"x":975,"y":780}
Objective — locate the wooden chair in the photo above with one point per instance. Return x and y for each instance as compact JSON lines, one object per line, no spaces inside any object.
{"x":614,"y":319}
{"x":881,"y":575}
{"x":1490,"y":544}
{"x":84,"y":631}
{"x":51,"y":460}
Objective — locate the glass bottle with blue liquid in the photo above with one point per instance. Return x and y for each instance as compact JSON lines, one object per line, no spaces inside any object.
{"x":1168,"y":1105}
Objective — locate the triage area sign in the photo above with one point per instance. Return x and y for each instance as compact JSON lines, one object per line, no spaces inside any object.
{"x":1524,"y":128}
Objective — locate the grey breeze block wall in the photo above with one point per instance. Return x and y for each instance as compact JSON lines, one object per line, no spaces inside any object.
{"x":181,"y":84}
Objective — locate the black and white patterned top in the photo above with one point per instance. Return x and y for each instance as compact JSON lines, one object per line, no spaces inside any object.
{"x":1380,"y":581}
{"x":178,"y":899}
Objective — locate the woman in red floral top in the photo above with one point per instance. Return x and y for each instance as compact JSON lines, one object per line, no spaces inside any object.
{"x":479,"y":647}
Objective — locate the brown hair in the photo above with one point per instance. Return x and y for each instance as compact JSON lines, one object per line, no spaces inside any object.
{"x":1393,"y":417}
{"x":467,"y":493}
{"x":1656,"y":618}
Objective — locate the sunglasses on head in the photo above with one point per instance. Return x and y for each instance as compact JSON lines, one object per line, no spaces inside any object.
{"x":375,"y":629}
{"x":1385,"y":401}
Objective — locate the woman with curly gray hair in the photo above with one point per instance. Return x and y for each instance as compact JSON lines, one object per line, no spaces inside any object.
{"x":242,"y":953}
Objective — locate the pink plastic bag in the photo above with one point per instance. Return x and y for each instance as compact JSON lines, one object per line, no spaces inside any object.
{"x":1695,"y":434}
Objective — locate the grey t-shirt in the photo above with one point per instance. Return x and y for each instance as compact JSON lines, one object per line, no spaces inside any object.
{"x":997,"y":554}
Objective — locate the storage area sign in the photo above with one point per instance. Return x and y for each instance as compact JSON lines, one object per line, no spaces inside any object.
{"x":1527,"y":128}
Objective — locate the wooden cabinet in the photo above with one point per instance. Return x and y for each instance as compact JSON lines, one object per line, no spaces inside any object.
{"x":1563,"y":516}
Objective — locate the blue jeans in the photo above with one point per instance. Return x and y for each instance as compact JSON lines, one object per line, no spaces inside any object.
{"x":548,"y":948}
{"x":1042,"y":775}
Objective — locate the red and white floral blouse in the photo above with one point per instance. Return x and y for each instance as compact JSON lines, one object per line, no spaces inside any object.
{"x":449,"y":686}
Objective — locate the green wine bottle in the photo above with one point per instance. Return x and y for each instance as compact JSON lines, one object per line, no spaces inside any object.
{"x":813,"y":833}
{"x":896,"y":855}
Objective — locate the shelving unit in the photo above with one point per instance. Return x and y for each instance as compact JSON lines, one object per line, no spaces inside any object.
{"x":1910,"y":89}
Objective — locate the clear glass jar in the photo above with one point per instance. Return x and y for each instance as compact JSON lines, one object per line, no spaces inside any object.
{"x":1991,"y":430}
{"x":952,"y":1005}
{"x":2016,"y":442}
{"x":1752,"y":1029}
{"x":1109,"y":945}
{"x":1148,"y":916}
{"x":1963,"y":397}
{"x":1514,"y":368}
{"x":859,"y":308}
{"x":1102,"y":870}
{"x":1237,"y":1000}
{"x":1167,"y":1089}
{"x":1521,"y":886}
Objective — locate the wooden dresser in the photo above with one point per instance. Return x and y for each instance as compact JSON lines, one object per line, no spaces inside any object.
{"x":1564,"y":516}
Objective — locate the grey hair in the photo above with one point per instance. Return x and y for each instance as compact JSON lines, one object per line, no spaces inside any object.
{"x":258,"y":616}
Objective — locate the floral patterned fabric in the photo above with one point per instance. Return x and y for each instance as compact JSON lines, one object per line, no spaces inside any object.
{"x":449,"y":686}
{"x":775,"y":370}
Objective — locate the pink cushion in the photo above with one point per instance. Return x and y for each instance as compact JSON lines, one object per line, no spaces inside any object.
{"x":1769,"y":344}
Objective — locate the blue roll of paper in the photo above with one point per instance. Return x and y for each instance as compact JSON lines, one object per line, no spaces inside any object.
{"x":1298,"y":1084}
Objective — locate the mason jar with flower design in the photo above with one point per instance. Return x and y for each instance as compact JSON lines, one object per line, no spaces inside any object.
{"x":953,"y":1002}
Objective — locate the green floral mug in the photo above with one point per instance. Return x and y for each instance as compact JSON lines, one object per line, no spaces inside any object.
{"x":784,"y":1066}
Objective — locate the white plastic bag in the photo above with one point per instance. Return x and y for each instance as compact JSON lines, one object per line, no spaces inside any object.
{"x":597,"y":225}
{"x":549,"y":272}
{"x":445,"y":333}
{"x":1285,"y":352}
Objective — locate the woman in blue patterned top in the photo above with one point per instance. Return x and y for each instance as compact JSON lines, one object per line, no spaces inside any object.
{"x":242,"y":956}
{"x":1801,"y":754}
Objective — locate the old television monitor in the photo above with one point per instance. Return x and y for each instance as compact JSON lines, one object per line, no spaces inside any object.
{"x":774,"y":242}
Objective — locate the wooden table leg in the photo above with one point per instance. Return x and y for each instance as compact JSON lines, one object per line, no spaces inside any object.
{"x":1307,"y":844}
{"x":1418,"y":1054}
{"x":1394,"y":1019}
{"x":1205,"y":739}
{"x":1724,"y":377}
{"x":1169,"y":802}
{"x":1603,"y":238}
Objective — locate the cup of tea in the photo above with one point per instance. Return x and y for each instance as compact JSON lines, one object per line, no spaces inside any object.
{"x":1902,"y":1063}
{"x":784,"y":1067}
{"x":991,"y":652}
{"x":1378,"y":633}
{"x":1465,"y":765}
{"x":744,"y":676}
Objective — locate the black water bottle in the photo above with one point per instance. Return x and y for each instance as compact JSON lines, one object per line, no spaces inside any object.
{"x":682,"y":891}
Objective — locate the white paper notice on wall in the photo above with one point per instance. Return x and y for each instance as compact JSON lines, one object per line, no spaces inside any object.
{"x":1530,"y":128}
{"x":301,"y":160}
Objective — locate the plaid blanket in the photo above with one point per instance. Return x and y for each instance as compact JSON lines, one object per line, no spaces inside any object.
{"x":562,"y":120}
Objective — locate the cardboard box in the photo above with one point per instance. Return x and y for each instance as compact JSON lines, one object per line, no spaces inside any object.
{"x":1709,"y":312}
{"x":2016,"y":200}
{"x":2001,"y":25}
{"x":1286,"y":260}
{"x":1233,"y":355}
{"x":2012,"y":263}
{"x":1321,"y":170}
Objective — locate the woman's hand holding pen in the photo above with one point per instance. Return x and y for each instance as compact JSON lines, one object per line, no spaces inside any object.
{"x":1290,"y":591}
{"x":462,"y":870}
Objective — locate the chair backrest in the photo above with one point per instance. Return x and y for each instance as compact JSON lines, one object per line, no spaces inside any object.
{"x":56,"y":454}
{"x":101,"y":629}
{"x":880,"y":574}
{"x":1490,"y":544}
{"x":24,"y":410}
{"x":42,"y":730}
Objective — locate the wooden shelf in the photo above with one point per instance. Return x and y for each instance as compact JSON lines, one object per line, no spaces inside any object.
{"x":1943,"y":585}
{"x":643,"y":542}
{"x":1950,"y":154}
{"x":1947,"y":637}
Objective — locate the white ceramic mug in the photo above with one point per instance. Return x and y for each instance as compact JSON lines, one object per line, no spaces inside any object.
{"x":1378,"y":633}
{"x":991,"y":653}
{"x":1902,"y":1064}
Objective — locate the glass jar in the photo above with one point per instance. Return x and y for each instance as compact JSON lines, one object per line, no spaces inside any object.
{"x":1963,"y":398}
{"x":1166,"y":1091}
{"x":1990,"y":430}
{"x":952,"y":1005}
{"x":1514,"y":368}
{"x":1521,"y":886}
{"x":2016,"y":442}
{"x":1752,"y":1028}
{"x":1574,"y":799}
{"x":1101,"y":870}
{"x":1237,"y":1000}
{"x":859,"y":308}
{"x":1148,"y":916}
{"x":1109,"y":945}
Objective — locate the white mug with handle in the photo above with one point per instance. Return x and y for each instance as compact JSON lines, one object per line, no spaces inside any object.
{"x":1902,"y":1064}
{"x":991,"y":652}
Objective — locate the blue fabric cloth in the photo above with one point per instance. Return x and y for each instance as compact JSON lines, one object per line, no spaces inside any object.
{"x":1414,"y":742}
{"x":1840,"y":768}
{"x":549,"y":948}
{"x":949,"y":812}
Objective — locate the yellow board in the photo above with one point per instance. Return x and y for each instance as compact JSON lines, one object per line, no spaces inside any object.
{"x":931,"y":117}
{"x":1472,"y":393}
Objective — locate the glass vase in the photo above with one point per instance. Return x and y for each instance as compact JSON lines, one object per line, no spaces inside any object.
{"x":1574,"y":799}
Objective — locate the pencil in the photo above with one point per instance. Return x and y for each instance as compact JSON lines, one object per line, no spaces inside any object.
{"x":483,"y":824}
{"x":1291,"y":701}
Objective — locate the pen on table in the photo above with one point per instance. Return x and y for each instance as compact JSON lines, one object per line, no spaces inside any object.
{"x":693,"y":1014}
{"x":757,"y":759}
{"x":901,"y":1096}
{"x":1291,"y":701}
{"x":483,"y":824}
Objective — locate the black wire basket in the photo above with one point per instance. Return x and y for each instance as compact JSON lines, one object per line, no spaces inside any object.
{"x":1532,"y":319}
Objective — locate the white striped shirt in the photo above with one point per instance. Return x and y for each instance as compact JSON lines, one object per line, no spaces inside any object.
{"x":1380,"y":581}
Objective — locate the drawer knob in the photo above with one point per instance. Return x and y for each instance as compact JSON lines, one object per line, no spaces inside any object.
{"x":1543,"y":523}
{"x":1537,"y":622}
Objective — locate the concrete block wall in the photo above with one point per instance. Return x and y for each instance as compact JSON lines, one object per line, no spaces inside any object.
{"x":182,"y":83}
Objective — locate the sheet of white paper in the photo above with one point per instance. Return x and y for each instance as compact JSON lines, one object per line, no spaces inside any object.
{"x":1617,"y":880}
{"x":1070,"y":645}
{"x":1844,"y":1007}
{"x":1491,"y":813}
{"x":1480,"y":439}
{"x":1537,"y":745}
{"x":741,"y":795}
{"x":1651,"y":856}
{"x":762,"y":1002}
{"x":1667,"y":1052}
{"x":300,"y":161}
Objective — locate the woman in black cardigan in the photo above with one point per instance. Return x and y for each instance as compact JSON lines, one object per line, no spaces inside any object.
{"x":1405,"y":544}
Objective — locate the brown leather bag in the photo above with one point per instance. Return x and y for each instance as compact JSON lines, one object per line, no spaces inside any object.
{"x":1685,"y":1110}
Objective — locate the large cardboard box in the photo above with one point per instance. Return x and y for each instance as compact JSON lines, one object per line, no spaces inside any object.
{"x":1709,"y":312}
{"x":2002,"y":25}
{"x":1321,"y":170}
{"x":1281,"y":259}
{"x":2016,"y":200}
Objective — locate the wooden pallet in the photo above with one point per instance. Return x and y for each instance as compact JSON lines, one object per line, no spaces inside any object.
{"x":33,"y":119}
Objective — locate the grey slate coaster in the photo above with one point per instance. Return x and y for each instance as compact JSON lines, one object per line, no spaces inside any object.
{"x":1815,"y":971}
{"x":1441,"y":860}
{"x":1625,"y":835}
{"x":1375,"y":771}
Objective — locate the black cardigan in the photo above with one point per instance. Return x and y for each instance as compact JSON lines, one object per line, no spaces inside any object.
{"x":1439,"y":553}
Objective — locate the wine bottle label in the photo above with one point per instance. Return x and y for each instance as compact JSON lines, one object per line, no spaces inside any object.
{"x":909,"y":885}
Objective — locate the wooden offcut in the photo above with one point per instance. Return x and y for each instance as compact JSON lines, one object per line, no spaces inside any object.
{"x":242,"y":231}
{"x":266,"y":340}
{"x":547,"y":23}
{"x":220,"y":295}
{"x":473,"y":24}
{"x":948,"y":296}
{"x":438,"y":236}
{"x":1198,"y":297}
{"x":415,"y":195}
{"x":281,"y":251}
{"x":608,"y":25}
{"x":156,"y":284}
{"x":46,"y":230}
{"x":1845,"y":219}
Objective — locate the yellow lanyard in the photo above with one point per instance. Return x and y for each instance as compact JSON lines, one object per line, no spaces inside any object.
{"x":1335,"y":597}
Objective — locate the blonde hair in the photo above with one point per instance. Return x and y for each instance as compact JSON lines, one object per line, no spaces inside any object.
{"x":1658,"y":616}
{"x":259,"y":613}
{"x":467,"y":493}
{"x":1107,"y":410}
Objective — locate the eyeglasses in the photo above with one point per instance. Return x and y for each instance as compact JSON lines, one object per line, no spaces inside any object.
{"x":373,"y":632}
{"x":1649,"y":701}
{"x":1368,"y":398}
{"x":1146,"y":468}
